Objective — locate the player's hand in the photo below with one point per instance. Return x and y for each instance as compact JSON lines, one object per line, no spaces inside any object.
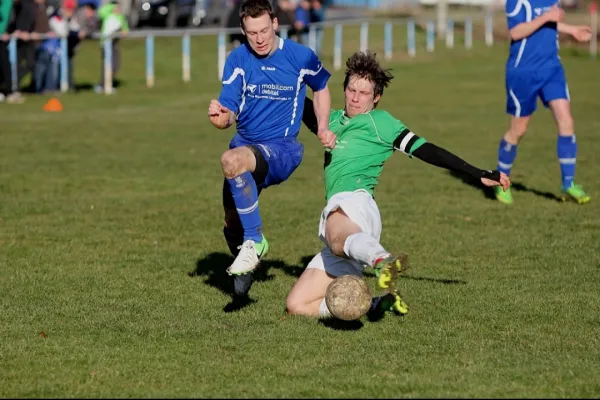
{"x":327,"y":137}
{"x":497,"y":178}
{"x":582,"y":33}
{"x":5,"y":37}
{"x":215,"y":108}
{"x":218,"y":114}
{"x":555,"y":14}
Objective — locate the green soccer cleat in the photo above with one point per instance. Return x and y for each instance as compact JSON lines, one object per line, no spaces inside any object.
{"x":387,"y":271}
{"x":391,"y":302}
{"x":575,"y":193}
{"x":394,"y":303}
{"x":504,"y":197}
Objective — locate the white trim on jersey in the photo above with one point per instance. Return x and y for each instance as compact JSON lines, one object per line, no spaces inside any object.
{"x":281,"y":41}
{"x":236,"y":72}
{"x":528,"y":16}
{"x":516,"y":101}
{"x":303,"y":72}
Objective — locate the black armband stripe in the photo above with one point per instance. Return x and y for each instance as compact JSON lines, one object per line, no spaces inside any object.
{"x":405,"y":140}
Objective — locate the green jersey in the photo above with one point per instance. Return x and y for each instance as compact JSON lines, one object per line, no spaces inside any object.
{"x":363,"y":144}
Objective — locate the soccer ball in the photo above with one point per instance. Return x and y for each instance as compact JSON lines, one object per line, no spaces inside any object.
{"x":348,"y":298}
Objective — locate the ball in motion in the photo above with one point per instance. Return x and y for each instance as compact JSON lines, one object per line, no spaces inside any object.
{"x":348,"y":298}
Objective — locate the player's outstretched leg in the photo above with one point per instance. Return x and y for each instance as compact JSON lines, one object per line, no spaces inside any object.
{"x":307,"y":296}
{"x":366,"y":249}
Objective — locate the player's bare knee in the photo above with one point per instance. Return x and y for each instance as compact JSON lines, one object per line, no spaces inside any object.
{"x":336,"y":245}
{"x":295,"y":305}
{"x":230,"y":164}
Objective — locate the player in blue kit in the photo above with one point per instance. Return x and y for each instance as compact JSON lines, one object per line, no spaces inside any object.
{"x":534,"y":70}
{"x":264,"y":86}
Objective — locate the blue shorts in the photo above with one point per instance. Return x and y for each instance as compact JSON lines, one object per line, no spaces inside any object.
{"x":523,"y":87}
{"x":282,"y":157}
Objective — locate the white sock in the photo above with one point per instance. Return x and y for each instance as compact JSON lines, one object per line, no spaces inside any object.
{"x":324,"y":311}
{"x":364,"y":248}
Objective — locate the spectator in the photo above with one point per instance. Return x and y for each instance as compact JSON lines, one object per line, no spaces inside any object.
{"x":6,"y":88}
{"x":47,"y":66}
{"x":318,"y":9}
{"x":80,"y":25}
{"x":302,"y":21}
{"x":233,"y":21}
{"x":24,"y":24}
{"x":112,"y":22}
{"x":41,"y":26}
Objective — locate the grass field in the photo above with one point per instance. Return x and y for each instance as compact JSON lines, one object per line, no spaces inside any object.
{"x":106,"y":207}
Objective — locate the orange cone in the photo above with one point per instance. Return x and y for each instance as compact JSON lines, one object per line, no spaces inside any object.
{"x":53,"y":105}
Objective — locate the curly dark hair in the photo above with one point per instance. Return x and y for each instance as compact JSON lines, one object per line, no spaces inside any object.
{"x":255,"y":9}
{"x":365,"y":65}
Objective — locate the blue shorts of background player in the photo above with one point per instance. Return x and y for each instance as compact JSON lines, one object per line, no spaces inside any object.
{"x":524,"y":87}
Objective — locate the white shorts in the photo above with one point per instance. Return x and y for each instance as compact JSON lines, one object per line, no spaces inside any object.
{"x":361,"y":208}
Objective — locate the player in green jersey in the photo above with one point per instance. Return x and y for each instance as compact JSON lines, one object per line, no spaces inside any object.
{"x":350,"y":224}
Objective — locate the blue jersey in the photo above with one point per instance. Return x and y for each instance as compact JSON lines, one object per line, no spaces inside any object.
{"x":267,"y":94}
{"x":540,"y":49}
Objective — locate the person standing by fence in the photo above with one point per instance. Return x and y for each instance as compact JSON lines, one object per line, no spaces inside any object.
{"x":112,"y":21}
{"x":6,"y":84}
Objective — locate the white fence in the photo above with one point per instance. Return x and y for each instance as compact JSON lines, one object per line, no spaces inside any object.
{"x":390,"y":28}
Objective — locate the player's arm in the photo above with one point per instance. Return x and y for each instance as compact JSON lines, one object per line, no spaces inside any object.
{"x":582,"y":33}
{"x":518,"y":25}
{"x":231,"y":93}
{"x":413,"y":145}
{"x":316,"y":77}
{"x":322,"y":108}
{"x":309,"y":117}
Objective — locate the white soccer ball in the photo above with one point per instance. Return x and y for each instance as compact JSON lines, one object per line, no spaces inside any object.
{"x":348,"y":298}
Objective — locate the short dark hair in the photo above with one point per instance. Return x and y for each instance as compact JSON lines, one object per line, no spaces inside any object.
{"x":255,"y":9}
{"x":365,"y":65}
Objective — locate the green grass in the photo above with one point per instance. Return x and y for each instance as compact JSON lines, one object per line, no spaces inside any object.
{"x":106,"y":207}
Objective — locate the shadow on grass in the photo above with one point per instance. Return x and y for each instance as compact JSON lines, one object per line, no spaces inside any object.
{"x":340,"y":325}
{"x":488,"y":192}
{"x":214,"y":268}
{"x":519,"y":187}
{"x":435,"y":280}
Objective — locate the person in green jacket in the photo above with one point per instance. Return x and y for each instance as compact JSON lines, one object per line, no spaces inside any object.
{"x":113,"y":24}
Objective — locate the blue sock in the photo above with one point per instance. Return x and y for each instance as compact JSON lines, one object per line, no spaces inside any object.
{"x":506,"y":156}
{"x":566,"y":148}
{"x":245,"y":196}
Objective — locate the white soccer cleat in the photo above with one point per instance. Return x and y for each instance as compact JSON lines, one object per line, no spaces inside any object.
{"x":249,"y":256}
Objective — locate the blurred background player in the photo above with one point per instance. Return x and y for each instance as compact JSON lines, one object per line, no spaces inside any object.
{"x":264,"y":86}
{"x":534,"y":69}
{"x":350,"y":224}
